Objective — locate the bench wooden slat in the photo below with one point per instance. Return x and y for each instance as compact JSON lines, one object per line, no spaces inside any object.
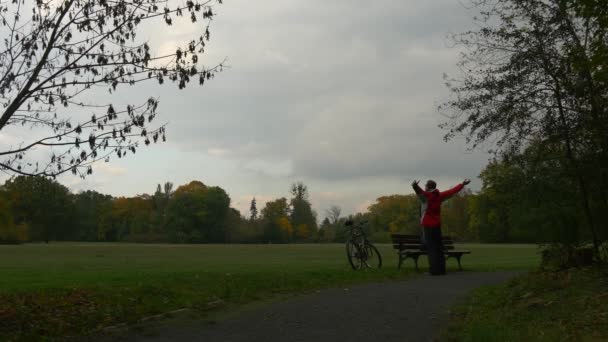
{"x":418,"y":247}
{"x":408,"y":242}
{"x":405,"y":236}
{"x":412,"y":246}
{"x":407,"y":246}
{"x":412,"y":251}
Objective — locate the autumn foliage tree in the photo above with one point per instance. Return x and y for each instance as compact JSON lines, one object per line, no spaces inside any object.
{"x":395,"y":213}
{"x":57,"y":55}
{"x":275,"y":221}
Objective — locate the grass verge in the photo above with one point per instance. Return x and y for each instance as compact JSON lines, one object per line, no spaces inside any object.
{"x":570,"y":305}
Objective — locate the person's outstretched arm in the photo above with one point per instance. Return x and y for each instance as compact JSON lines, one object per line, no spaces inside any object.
{"x":453,"y":191}
{"x":417,"y":188}
{"x":422,"y":195}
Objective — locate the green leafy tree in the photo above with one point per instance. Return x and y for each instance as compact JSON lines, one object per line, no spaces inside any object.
{"x":10,"y":232}
{"x":236,"y":227}
{"x":197,"y":213}
{"x":141,"y":212}
{"x":92,"y":215}
{"x":455,"y":216}
{"x":526,"y":200}
{"x":302,"y":217}
{"x":534,"y":73}
{"x":217,"y":207}
{"x":161,"y":200}
{"x":42,"y":204}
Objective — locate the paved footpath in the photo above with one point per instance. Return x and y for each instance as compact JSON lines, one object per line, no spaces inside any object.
{"x":411,"y":310}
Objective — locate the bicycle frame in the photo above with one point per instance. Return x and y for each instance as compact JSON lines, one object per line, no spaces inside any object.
{"x":357,"y":236}
{"x":361,"y":249}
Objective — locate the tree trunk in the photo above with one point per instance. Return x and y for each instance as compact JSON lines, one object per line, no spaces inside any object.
{"x":574,"y":165}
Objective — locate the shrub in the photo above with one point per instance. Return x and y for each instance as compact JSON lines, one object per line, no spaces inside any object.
{"x":559,"y":257}
{"x":14,"y":234}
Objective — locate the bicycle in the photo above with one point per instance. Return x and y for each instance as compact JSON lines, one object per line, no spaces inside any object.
{"x":359,"y":250}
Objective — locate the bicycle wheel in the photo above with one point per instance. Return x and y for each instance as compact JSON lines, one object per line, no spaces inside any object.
{"x":372,"y":259}
{"x":353,"y":255}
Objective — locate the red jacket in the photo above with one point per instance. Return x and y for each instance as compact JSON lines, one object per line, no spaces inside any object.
{"x":431,"y":204}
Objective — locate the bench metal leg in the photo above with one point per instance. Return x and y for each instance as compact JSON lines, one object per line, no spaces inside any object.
{"x":457,"y":257}
{"x":416,"y":261}
{"x":400,"y":262}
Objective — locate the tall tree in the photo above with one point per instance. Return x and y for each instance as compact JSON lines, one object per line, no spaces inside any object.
{"x":253,"y":209}
{"x":161,"y":201}
{"x":303,"y":218}
{"x":534,"y":73}
{"x":57,"y":52}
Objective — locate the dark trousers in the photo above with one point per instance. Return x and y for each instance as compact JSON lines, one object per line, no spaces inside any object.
{"x":434,"y":247}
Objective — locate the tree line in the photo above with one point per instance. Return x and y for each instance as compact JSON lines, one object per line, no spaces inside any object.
{"x":35,"y":208}
{"x":505,"y":210}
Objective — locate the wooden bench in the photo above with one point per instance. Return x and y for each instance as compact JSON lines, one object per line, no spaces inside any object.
{"x":411,"y":246}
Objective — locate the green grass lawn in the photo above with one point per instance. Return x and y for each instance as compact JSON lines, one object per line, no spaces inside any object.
{"x":570,"y":305}
{"x":91,"y":285}
{"x":67,"y":265}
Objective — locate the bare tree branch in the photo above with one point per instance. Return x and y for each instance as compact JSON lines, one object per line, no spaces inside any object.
{"x":70,"y":47}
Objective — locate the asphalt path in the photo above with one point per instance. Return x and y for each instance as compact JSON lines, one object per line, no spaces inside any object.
{"x":409,"y":310}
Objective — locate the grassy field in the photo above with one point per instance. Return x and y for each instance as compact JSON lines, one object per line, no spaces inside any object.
{"x":67,"y":265}
{"x":75,"y":288}
{"x":569,"y":305}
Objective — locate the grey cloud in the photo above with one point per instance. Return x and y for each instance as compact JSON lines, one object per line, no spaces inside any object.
{"x":342,"y":90}
{"x":336,"y":93}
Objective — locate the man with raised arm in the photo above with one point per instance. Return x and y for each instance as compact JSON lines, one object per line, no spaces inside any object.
{"x":431,"y":199}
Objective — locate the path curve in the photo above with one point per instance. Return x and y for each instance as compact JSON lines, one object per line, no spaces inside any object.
{"x":410,"y":310}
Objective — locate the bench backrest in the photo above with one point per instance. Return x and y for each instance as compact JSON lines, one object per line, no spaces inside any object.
{"x":414,"y":242}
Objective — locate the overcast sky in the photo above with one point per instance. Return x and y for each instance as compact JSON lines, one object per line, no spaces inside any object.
{"x":340,"y":94}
